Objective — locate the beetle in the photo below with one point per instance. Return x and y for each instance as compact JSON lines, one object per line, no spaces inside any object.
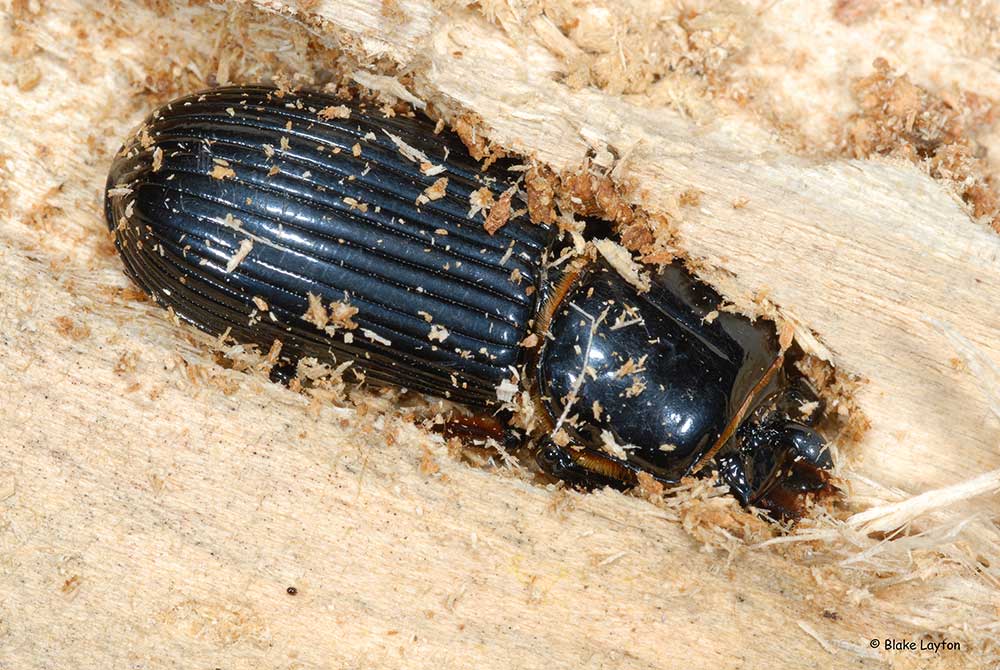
{"x":344,"y":234}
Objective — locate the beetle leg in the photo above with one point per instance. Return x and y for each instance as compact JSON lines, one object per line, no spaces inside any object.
{"x":733,"y":473}
{"x":284,"y":371}
{"x":479,"y":428}
{"x":584,"y":468}
{"x":796,"y":403}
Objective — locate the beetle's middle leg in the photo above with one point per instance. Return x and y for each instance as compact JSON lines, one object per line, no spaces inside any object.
{"x":479,"y":428}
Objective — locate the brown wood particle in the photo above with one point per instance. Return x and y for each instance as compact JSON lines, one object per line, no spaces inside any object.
{"x":690,"y":198}
{"x":334,"y":112}
{"x":428,"y":465}
{"x":786,"y":334}
{"x":631,"y":367}
{"x":41,"y":214}
{"x":500,"y":212}
{"x":468,"y":127}
{"x":540,"y":183}
{"x":850,"y":12}
{"x":28,"y":76}
{"x":480,"y":199}
{"x":272,"y":354}
{"x":222,"y":172}
{"x":636,"y":389}
{"x":126,"y":363}
{"x":67,"y":327}
{"x":342,"y":314}
{"x":435,"y":191}
{"x":649,"y":487}
{"x":316,"y":313}
{"x":901,"y":119}
{"x":5,"y":179}
{"x":355,"y":205}
{"x":391,"y":10}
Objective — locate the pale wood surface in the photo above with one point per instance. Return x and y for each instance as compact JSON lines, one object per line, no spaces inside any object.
{"x":153,"y":520}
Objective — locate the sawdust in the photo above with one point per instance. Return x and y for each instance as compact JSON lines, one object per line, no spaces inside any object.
{"x":499,"y":213}
{"x":336,"y":315}
{"x":934,"y":138}
{"x":71,"y":328}
{"x":5,"y":194}
{"x":677,"y":51}
{"x":469,"y":128}
{"x":594,"y":193}
{"x":901,"y":119}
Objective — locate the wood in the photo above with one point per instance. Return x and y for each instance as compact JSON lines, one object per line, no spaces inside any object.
{"x":155,"y":507}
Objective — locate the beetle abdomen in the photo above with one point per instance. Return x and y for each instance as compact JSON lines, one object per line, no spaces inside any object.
{"x":295,"y":217}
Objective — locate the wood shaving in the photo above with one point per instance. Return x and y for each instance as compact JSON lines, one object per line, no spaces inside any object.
{"x":611,"y":446}
{"x":621,"y":260}
{"x":435,"y":191}
{"x":636,"y":389}
{"x":388,"y":86}
{"x":246,"y":246}
{"x":355,"y":205}
{"x":500,"y":212}
{"x":506,"y":390}
{"x":221,"y":172}
{"x":479,"y":200}
{"x":375,"y":337}
{"x":438,"y":333}
{"x":341,"y":315}
{"x":631,"y":367}
{"x":334,"y":112}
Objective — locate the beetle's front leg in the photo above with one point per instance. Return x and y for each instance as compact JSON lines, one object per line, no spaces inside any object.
{"x":582,"y":468}
{"x":283,"y":371}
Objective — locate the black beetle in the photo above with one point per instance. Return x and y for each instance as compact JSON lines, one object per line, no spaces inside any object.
{"x":344,"y":234}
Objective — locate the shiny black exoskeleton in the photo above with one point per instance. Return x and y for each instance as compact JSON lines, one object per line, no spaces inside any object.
{"x":672,"y":381}
{"x":338,"y":233}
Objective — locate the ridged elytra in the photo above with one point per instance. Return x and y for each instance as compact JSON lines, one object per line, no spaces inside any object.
{"x":325,"y":225}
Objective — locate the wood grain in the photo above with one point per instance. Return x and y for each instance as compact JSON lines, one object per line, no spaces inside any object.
{"x":155,"y":508}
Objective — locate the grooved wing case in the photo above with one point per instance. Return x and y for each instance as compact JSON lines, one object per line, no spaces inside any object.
{"x":233,"y":205}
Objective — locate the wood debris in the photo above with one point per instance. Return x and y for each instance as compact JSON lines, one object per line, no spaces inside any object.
{"x":435,"y":191}
{"x":500,"y":212}
{"x":246,"y":246}
{"x":221,"y":172}
{"x":334,"y":112}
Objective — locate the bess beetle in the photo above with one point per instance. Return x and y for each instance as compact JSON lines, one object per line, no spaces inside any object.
{"x":348,"y":235}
